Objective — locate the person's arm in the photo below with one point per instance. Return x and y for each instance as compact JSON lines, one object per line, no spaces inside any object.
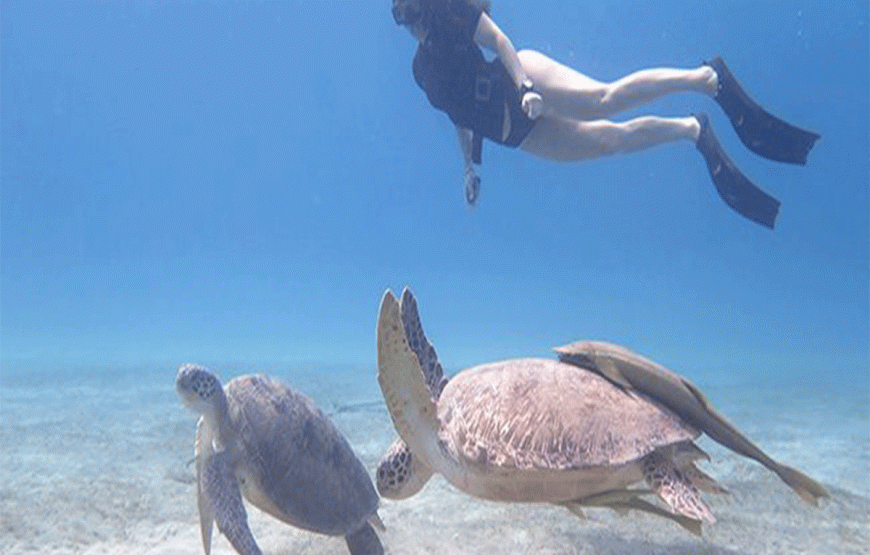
{"x":472,"y":182}
{"x":490,"y":36}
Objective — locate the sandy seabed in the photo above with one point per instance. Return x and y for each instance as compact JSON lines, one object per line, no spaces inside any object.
{"x":100,"y":464}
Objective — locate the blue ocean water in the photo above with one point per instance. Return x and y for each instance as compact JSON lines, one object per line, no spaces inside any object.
{"x":237,"y":183}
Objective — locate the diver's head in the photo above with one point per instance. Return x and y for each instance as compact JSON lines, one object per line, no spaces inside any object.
{"x":414,"y":15}
{"x":408,"y":12}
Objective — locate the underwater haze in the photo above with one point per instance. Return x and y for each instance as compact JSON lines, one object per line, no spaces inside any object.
{"x":237,"y":184}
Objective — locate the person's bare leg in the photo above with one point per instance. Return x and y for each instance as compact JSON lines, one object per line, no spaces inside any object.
{"x":567,"y":140}
{"x":570,"y":94}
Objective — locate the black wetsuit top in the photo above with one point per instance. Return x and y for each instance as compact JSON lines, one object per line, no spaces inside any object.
{"x":457,"y":79}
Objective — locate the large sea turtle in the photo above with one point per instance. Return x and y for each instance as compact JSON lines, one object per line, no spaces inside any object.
{"x":265,"y":439}
{"x":579,"y":431}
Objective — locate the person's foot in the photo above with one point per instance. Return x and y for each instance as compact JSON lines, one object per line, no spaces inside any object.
{"x":711,"y":79}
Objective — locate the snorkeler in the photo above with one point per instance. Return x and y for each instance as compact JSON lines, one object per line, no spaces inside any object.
{"x":525,"y":99}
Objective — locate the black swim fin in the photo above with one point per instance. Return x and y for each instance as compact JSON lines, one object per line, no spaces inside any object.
{"x":735,"y":189}
{"x":761,"y":132}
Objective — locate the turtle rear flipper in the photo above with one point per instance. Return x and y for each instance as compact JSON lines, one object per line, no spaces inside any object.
{"x":364,"y":541}
{"x":674,"y":488}
{"x":702,"y":481}
{"x":222,"y":489}
{"x":625,"y":500}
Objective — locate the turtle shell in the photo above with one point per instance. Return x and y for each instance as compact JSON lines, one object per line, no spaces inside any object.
{"x":294,"y":463}
{"x":539,"y":414}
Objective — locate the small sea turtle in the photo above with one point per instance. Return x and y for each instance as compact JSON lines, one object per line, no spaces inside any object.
{"x":579,"y":431}
{"x":267,"y":440}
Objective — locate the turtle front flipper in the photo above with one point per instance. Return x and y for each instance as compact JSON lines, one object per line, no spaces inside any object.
{"x":222,"y":490}
{"x":674,"y":488}
{"x":402,"y":382}
{"x":203,"y":452}
{"x":401,"y":473}
{"x":432,"y":371}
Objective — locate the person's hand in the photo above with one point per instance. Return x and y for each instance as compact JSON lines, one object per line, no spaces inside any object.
{"x":533,"y":104}
{"x":472,"y":187}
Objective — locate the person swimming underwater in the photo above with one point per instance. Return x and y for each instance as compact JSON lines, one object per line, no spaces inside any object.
{"x":527,"y":100}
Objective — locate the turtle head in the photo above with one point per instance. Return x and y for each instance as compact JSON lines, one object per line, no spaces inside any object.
{"x":200,"y":390}
{"x":400,"y":473}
